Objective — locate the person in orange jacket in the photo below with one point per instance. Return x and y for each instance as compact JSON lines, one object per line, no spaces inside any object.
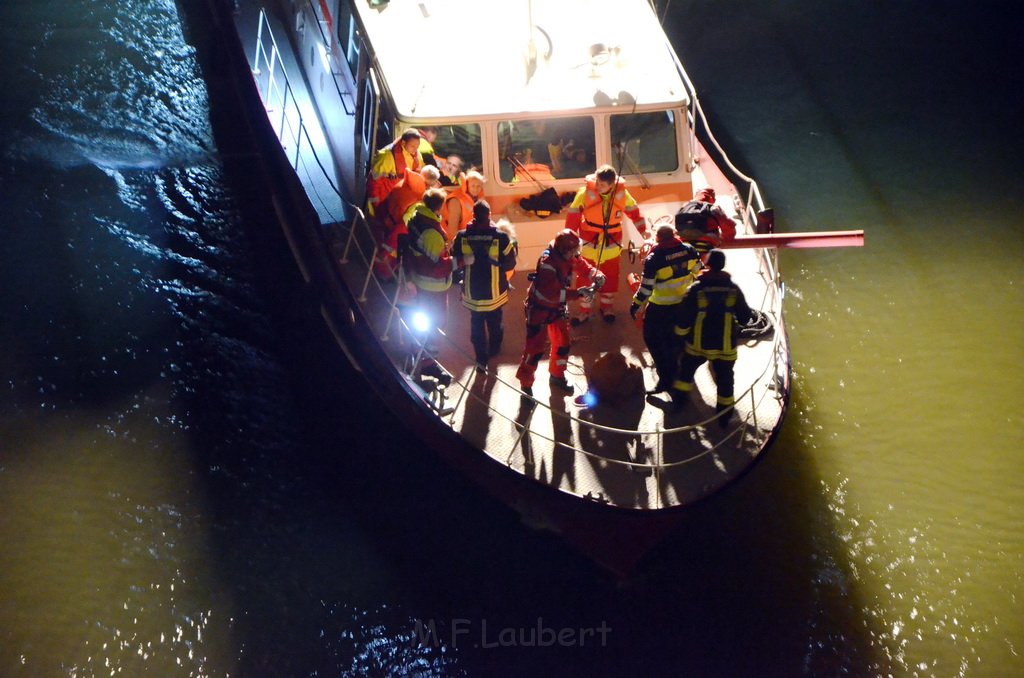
{"x":389,"y":222}
{"x":458,"y":206}
{"x":596,"y":215}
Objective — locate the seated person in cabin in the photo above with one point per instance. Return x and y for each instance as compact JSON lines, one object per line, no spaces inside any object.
{"x":574,"y":161}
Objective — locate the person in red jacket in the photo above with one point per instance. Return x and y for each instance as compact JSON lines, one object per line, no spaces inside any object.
{"x":546,"y":308}
{"x":596,"y":215}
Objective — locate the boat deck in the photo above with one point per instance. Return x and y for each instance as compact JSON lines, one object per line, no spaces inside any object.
{"x":637,"y":456}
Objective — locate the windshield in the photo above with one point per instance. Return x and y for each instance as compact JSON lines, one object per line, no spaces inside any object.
{"x":546,"y":149}
{"x":644,"y":142}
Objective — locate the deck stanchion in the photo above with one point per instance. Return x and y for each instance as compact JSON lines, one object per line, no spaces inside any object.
{"x":659,"y":451}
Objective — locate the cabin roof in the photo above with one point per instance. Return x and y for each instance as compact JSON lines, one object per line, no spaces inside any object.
{"x":589,"y":53}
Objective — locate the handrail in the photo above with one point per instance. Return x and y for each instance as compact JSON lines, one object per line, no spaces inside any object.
{"x":361,"y":238}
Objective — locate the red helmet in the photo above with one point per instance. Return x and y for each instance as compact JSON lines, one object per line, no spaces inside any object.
{"x":566,"y":239}
{"x":706,"y":194}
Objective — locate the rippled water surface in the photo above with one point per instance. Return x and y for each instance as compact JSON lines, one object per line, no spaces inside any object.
{"x":192,"y":482}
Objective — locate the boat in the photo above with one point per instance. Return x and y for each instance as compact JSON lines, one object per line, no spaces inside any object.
{"x":327,"y":83}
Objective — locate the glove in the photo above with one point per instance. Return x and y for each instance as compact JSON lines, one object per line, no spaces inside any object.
{"x":468,"y":259}
{"x":586,"y":293}
{"x":634,"y":307}
{"x":599,"y":280}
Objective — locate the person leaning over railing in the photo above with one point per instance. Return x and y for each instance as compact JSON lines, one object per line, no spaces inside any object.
{"x":704,"y":224}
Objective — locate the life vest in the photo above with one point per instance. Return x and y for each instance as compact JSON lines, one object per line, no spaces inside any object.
{"x":407,"y":192}
{"x":466,"y":202}
{"x":601,"y":228}
{"x":388,"y":168}
{"x":534,"y":172}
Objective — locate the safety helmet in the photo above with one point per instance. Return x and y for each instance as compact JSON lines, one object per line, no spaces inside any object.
{"x":706,"y":194}
{"x":566,"y":239}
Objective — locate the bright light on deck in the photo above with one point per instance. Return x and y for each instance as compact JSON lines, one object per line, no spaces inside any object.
{"x":421,"y":322}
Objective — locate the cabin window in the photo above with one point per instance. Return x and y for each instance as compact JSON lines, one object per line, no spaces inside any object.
{"x":348,"y":36}
{"x":561,"y":148}
{"x":644,"y":142}
{"x":459,"y":143}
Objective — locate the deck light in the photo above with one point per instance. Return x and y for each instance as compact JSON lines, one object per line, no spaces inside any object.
{"x":421,"y":322}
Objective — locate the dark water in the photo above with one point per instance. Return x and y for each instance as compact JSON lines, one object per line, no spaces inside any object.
{"x":193,"y":482}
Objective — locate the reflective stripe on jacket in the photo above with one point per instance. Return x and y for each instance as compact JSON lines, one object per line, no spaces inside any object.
{"x":486,"y":254}
{"x":668,"y":270}
{"x":601,"y":228}
{"x":710,"y":316}
{"x":429,"y":261}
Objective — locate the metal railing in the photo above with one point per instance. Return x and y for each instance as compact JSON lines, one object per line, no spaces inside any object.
{"x":356,"y":247}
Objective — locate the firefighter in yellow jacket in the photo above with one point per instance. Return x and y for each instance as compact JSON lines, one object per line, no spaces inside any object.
{"x":428,"y":259}
{"x":596,"y":214}
{"x":710,"y":317}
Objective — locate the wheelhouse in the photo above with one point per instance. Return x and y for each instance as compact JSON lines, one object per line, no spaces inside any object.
{"x":585,"y":90}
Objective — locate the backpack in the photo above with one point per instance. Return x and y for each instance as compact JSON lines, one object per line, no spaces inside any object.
{"x":692,"y":220}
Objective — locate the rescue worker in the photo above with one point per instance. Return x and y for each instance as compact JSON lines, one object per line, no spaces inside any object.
{"x":710,"y":317}
{"x":485,"y":255}
{"x":428,"y":135}
{"x":704,"y":224}
{"x":390,"y":220}
{"x":458,"y":206}
{"x":596,"y":214}
{"x":428,"y":260}
{"x":669,"y":269}
{"x":546,"y":309}
{"x":389,"y":167}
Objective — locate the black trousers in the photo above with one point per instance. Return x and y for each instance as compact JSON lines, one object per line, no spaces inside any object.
{"x":721,"y":369}
{"x":659,"y":326}
{"x":485,"y":333}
